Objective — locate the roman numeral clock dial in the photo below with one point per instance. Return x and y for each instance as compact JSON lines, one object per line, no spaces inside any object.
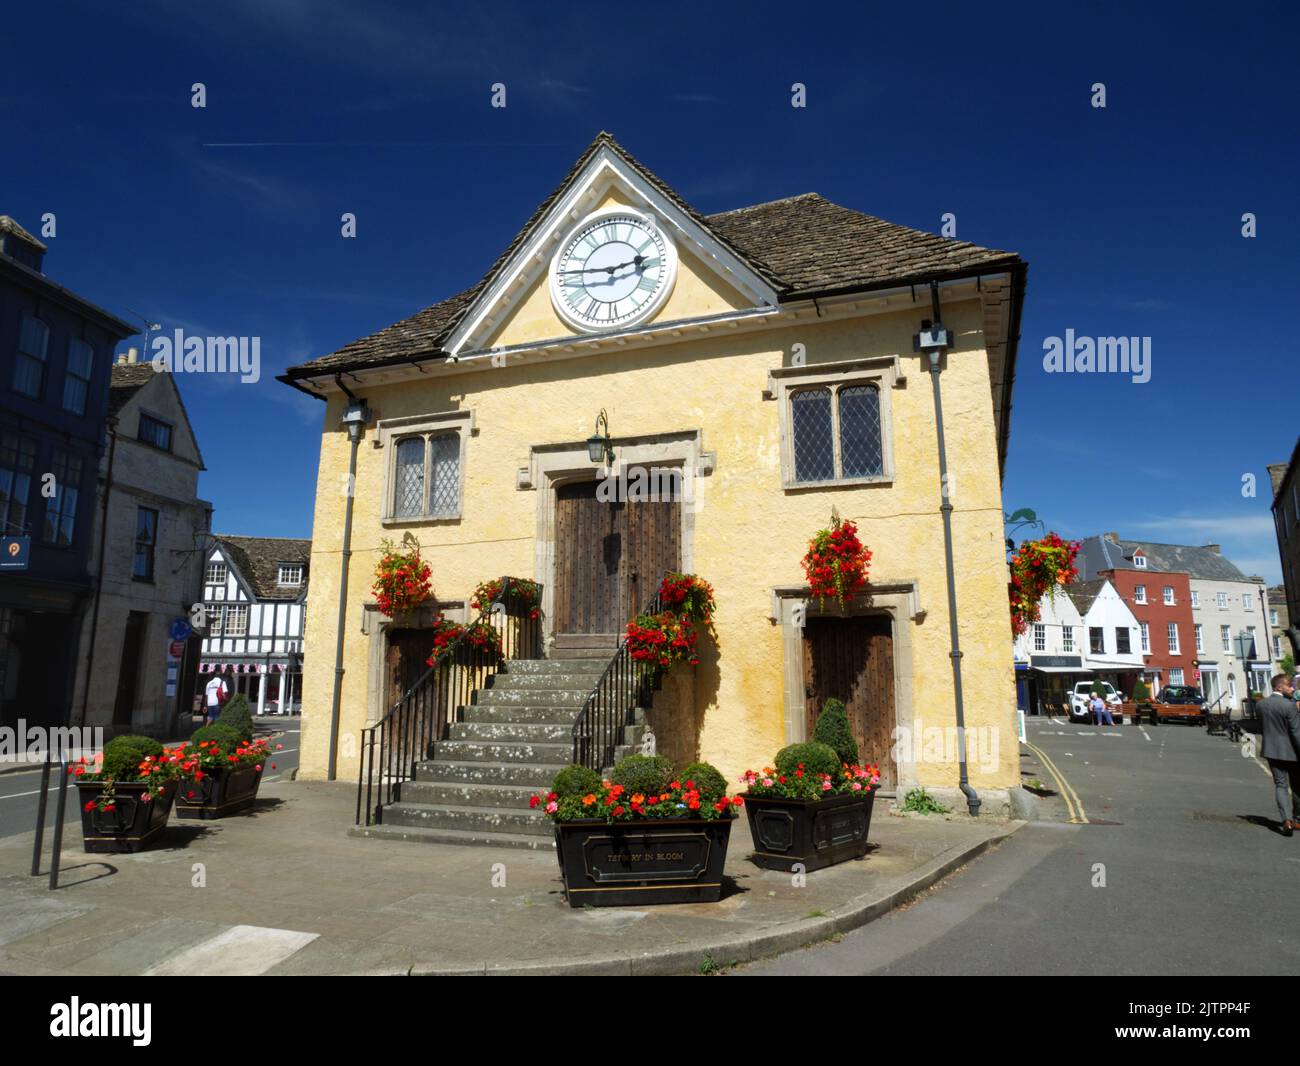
{"x":614,"y":270}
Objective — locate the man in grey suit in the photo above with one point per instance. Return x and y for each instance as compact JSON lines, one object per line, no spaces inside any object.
{"x":1280,"y":719}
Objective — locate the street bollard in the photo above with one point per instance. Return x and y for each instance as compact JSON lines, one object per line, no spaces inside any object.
{"x":40,"y":816}
{"x":58,"y":823}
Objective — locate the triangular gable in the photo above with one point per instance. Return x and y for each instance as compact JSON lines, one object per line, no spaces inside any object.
{"x":605,"y":173}
{"x":223,"y":553}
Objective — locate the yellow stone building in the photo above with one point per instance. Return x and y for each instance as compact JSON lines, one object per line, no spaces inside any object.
{"x":766,"y":358}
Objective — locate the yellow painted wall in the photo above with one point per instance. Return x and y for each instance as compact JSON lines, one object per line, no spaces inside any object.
{"x":749,"y":534}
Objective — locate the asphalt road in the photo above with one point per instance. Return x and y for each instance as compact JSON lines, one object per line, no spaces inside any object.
{"x":19,"y":791}
{"x":1178,"y":870}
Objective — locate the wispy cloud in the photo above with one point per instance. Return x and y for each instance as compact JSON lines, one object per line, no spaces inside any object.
{"x":1224,"y":527}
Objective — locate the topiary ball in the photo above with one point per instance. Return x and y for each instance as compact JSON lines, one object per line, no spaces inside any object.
{"x":227,"y":739}
{"x":649,"y":774}
{"x":817,"y":758}
{"x":575,"y":781}
{"x":833,"y":729}
{"x":708,"y":780}
{"x":123,"y":756}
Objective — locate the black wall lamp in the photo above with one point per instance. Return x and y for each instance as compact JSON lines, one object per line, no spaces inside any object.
{"x":598,"y":447}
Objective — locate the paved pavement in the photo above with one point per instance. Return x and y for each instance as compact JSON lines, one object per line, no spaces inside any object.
{"x":1156,"y":853}
{"x":284,"y":890}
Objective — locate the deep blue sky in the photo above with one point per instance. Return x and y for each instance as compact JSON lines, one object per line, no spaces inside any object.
{"x":1129,"y":216}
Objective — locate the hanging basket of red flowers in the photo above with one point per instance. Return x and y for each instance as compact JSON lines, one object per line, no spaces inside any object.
{"x":1038,"y":568}
{"x":521,"y":596}
{"x":401,"y":580}
{"x":837,"y":562}
{"x":451,"y":639}
{"x":662,"y":639}
{"x":687,"y":595}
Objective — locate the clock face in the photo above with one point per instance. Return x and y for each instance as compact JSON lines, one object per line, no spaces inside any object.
{"x":614,"y":270}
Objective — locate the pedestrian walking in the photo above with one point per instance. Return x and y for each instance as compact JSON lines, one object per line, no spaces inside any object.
{"x":215,"y":693}
{"x":1280,"y":719}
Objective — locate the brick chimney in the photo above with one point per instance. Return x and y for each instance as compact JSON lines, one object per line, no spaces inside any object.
{"x":18,"y":244}
{"x":1113,"y":537}
{"x":128,"y":357}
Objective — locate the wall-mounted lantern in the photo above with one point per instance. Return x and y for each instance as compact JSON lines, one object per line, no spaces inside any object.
{"x":598,"y":446}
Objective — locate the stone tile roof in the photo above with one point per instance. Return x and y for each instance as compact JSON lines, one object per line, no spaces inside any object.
{"x":125,"y":381}
{"x":802,"y":245}
{"x":1084,"y":594}
{"x":10,"y":225}
{"x":1206,"y":563}
{"x":258,"y":559}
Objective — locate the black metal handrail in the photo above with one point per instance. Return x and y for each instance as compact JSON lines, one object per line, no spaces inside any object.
{"x":392,"y":746}
{"x":623,"y":686}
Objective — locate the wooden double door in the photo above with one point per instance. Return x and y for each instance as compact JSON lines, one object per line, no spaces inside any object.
{"x":609,"y":557}
{"x":852,"y":659}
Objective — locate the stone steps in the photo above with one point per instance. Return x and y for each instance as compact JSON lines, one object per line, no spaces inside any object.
{"x":422,"y":835}
{"x":505,"y":747}
{"x":469,"y":819}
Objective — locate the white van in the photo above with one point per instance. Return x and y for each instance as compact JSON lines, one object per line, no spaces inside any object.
{"x":1082,"y":694}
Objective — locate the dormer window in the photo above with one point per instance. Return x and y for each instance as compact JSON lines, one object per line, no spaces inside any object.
{"x":1139,"y":561}
{"x":215,"y":574}
{"x":290,"y":574}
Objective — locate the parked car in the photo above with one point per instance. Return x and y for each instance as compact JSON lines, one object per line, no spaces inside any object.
{"x":1082,"y":694}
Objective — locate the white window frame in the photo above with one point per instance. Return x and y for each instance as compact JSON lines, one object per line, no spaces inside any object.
{"x":280,"y":572}
{"x":1167,"y":596}
{"x":1198,"y":629}
{"x":1272,"y":616}
{"x":1139,"y":594}
{"x":234,"y":621}
{"x":1139,"y":561}
{"x":208,"y":570}
{"x":1225,"y":637}
{"x":1067,"y":638}
{"x":1176,"y":675}
{"x":1277,"y":646}
{"x":1196,"y":598}
{"x":883,"y":373}
{"x":1222,"y":599}
{"x":392,"y":431}
{"x":1145,"y":637}
{"x":1171,"y":635}
{"x":1247,"y":601}
{"x":1040,"y":636}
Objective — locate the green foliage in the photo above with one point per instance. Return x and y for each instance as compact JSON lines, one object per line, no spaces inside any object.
{"x":1141,"y":692}
{"x":1099,"y":689}
{"x":649,"y":774}
{"x":221,"y":731}
{"x":816,"y":758}
{"x":1286,"y":665}
{"x":920,"y":801}
{"x":708,"y":779}
{"x":833,"y":730}
{"x":123,"y":756}
{"x":575,"y":781}
{"x":237,"y":715}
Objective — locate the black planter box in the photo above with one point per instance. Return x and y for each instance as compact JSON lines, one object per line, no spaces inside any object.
{"x":815,"y":833}
{"x":219,"y":793}
{"x":132,"y":826}
{"x":639,"y":863}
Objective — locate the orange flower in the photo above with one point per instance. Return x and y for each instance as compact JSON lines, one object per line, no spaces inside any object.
{"x":588,"y":799}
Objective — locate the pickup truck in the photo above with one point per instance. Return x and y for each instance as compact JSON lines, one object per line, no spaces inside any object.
{"x":1173,"y":703}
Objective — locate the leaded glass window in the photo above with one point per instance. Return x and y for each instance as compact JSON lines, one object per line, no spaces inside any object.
{"x":408,"y":499}
{"x":861,"y":453}
{"x":444,"y":474}
{"x":814,"y":443}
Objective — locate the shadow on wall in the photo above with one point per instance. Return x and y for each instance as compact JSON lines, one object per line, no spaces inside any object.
{"x":677,"y":717}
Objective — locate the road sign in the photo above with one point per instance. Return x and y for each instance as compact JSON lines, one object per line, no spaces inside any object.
{"x":180,"y":629}
{"x":14,"y":552}
{"x":176,"y":649}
